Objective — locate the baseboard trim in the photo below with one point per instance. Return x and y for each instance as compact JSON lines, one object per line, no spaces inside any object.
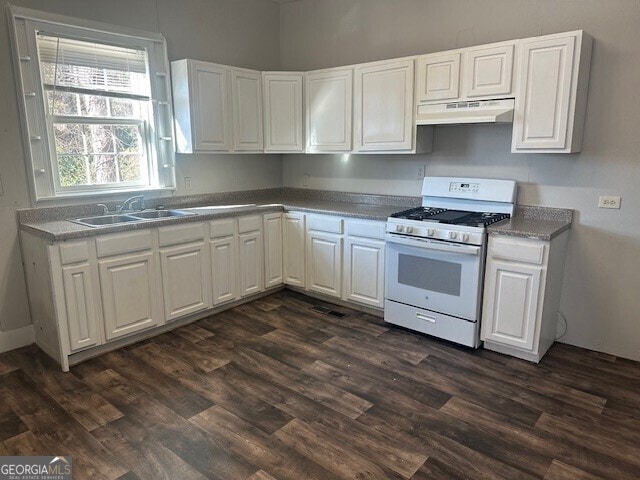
{"x":20,"y":337}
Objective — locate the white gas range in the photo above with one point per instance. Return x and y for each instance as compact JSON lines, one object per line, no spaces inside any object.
{"x":435,"y":256}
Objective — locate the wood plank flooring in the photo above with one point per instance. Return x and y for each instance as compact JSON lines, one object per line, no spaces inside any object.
{"x":275,"y":390}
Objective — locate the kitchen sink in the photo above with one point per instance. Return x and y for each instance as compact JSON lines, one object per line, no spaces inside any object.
{"x":115,"y":219}
{"x":160,"y":214}
{"x":106,"y":220}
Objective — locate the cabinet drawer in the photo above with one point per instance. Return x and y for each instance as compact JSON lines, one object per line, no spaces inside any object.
{"x":249,"y":224}
{"x":519,"y":251}
{"x":124,"y":243}
{"x":431,"y":323}
{"x":74,"y":252}
{"x":365,"y":229}
{"x":176,"y":234}
{"x":222,"y":228}
{"x":325,"y":224}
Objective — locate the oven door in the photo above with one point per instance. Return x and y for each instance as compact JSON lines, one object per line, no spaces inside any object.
{"x":434,"y":275}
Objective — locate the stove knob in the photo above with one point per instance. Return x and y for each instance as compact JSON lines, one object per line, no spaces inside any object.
{"x":464,"y":237}
{"x":409,"y":229}
{"x":399,"y":228}
{"x":452,"y":235}
{"x":430,"y":232}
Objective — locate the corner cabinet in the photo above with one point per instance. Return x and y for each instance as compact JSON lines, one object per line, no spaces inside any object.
{"x":552,"y":93}
{"x":251,"y":255}
{"x":283,"y":112}
{"x":523,"y":281}
{"x":329,"y":110}
{"x":217,"y":108}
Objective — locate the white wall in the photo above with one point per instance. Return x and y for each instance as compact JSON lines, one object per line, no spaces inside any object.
{"x":602,"y":276}
{"x":235,"y":32}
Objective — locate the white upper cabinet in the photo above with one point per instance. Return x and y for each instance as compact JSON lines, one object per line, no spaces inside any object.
{"x":217,"y":108}
{"x":488,"y":71}
{"x":438,"y":77}
{"x":483,"y":72}
{"x":283,"y":111}
{"x":329,"y":110}
{"x":552,"y":93}
{"x":383,"y":106}
{"x":201,"y":107}
{"x":246,"y":94}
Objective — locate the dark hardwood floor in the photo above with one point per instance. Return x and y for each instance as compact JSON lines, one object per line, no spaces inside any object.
{"x":273,"y":389}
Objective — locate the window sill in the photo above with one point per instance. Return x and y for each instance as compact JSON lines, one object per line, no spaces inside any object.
{"x":104,"y":194}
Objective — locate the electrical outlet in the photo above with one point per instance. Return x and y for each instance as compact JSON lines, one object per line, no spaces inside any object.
{"x":306,"y":180}
{"x":420,"y":171}
{"x":609,"y":202}
{"x":187,"y":183}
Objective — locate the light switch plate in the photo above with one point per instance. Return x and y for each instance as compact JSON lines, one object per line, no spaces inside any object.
{"x":609,"y":202}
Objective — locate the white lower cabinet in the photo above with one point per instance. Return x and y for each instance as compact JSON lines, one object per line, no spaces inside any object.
{"x":251,"y":255}
{"x":364,"y":271}
{"x":523,"y":281}
{"x":131,"y":299}
{"x":513,"y":307}
{"x":324,"y":257}
{"x":81,"y":306}
{"x":273,"y":266}
{"x":293,"y":246}
{"x":224,"y":260}
{"x":186,"y":279}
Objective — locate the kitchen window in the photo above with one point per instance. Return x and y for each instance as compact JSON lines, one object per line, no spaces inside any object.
{"x":96,"y":108}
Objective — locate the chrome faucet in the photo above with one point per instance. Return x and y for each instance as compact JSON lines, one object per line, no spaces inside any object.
{"x":105,"y":209}
{"x":129,"y":202}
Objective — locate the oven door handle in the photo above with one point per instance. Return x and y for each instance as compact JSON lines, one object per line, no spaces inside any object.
{"x":433,"y":245}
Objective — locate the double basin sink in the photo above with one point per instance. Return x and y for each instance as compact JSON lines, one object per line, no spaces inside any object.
{"x":117,"y":218}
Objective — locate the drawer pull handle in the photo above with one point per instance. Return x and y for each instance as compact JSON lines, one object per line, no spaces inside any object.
{"x":422,"y":316}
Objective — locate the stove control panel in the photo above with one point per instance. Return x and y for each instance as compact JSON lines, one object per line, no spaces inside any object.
{"x":451,"y":233}
{"x":464,"y":187}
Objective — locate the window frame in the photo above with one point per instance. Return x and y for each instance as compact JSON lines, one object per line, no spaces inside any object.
{"x":40,"y":153}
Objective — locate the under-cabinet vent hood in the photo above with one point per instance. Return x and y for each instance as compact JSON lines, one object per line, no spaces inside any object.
{"x":481,"y":111}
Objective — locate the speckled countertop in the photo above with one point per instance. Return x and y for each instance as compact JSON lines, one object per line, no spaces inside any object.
{"x":53,"y":223}
{"x":541,"y":223}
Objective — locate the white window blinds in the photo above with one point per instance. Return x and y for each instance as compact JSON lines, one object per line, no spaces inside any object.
{"x":88,"y":67}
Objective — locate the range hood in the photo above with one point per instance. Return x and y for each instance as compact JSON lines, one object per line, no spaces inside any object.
{"x":481,"y":111}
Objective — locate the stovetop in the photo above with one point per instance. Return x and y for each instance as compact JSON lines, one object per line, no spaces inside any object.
{"x":451,"y":217}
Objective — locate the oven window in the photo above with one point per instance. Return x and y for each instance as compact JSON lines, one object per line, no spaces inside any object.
{"x":429,"y":274}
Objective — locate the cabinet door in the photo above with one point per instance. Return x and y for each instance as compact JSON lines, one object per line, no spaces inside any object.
{"x":224,"y":265}
{"x":488,"y":71}
{"x":210,"y":104}
{"x":246,"y":92}
{"x":273,"y":274}
{"x":364,"y":271}
{"x":383,"y":98}
{"x":438,"y":77}
{"x":324,"y":263}
{"x":511,"y":304}
{"x":186,"y":280}
{"x":294,"y":249}
{"x":130,"y":296}
{"x":81,"y":306}
{"x":283,"y":112}
{"x":329,"y":99}
{"x":251,"y":263}
{"x":542,"y":107}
